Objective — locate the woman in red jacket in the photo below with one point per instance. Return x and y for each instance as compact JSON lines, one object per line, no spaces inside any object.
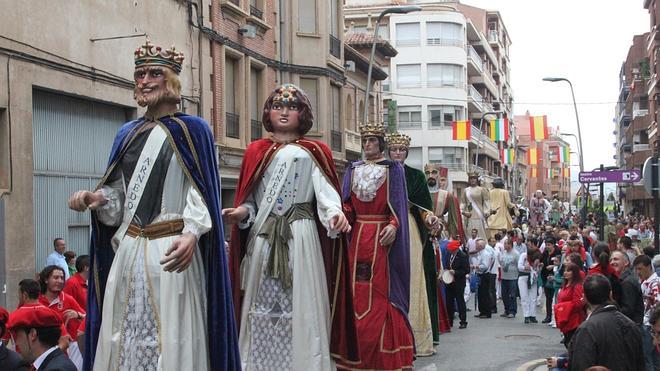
{"x":569,"y":310}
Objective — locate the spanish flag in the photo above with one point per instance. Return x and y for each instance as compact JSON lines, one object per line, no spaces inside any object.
{"x":532,"y":172}
{"x":538,"y":127}
{"x":567,"y":172}
{"x":533,"y":156}
{"x":461,"y":130}
{"x":499,"y":130}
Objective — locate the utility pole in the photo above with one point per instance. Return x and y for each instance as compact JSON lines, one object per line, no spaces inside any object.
{"x":655,"y":174}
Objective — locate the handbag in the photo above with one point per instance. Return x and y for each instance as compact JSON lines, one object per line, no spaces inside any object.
{"x":565,"y":318}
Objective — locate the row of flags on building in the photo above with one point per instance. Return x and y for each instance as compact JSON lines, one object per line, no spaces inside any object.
{"x":500,"y":131}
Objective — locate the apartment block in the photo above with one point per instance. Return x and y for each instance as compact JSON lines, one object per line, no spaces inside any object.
{"x":447,"y":69}
{"x":632,"y":121}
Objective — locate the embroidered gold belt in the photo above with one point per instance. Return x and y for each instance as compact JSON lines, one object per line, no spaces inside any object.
{"x":156,"y":230}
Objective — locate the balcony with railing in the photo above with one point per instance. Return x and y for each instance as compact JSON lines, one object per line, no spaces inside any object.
{"x":353,"y":141}
{"x":256,"y":12}
{"x":255,"y":130}
{"x":475,"y":100}
{"x":335,"y":46}
{"x":484,"y":144}
{"x":335,"y":140}
{"x":475,"y":64}
{"x":232,"y":126}
{"x":459,"y":166}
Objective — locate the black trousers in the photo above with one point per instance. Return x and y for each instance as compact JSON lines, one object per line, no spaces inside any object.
{"x":493,"y":292}
{"x":483,"y":294}
{"x":454,"y":292}
{"x":549,"y":295}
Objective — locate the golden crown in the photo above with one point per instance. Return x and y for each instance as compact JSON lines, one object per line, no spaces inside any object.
{"x":151,"y":55}
{"x":398,"y":139}
{"x":372,"y":130}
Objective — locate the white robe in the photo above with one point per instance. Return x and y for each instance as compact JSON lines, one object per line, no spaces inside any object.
{"x":152,"y":319}
{"x":289,"y":329}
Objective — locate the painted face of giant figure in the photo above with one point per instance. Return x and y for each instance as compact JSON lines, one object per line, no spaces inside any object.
{"x":155,"y":85}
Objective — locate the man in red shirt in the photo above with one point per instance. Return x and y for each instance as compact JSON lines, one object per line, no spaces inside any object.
{"x":52,"y":282}
{"x":76,"y":286}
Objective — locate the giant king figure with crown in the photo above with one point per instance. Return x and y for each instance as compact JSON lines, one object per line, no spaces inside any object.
{"x":375,"y":201}
{"x":159,"y":293}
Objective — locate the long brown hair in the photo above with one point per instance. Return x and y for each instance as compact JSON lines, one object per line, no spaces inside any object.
{"x":576,"y":276}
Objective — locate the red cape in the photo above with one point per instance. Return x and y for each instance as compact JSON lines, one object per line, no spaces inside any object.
{"x":258,"y":155}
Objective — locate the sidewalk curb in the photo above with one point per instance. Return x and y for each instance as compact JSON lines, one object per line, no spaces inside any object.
{"x":529,"y":366}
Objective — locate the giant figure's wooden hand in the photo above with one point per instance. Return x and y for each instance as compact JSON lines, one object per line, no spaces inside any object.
{"x":387,"y":235}
{"x":179,"y":256}
{"x":81,"y":200}
{"x":340,"y":223}
{"x":234,"y":215}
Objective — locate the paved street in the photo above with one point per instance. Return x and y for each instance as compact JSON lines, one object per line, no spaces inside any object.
{"x":497,"y":344}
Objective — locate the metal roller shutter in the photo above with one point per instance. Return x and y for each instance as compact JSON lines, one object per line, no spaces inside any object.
{"x":72,"y":138}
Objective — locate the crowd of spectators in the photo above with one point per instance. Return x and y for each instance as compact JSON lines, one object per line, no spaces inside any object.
{"x":46,"y":330}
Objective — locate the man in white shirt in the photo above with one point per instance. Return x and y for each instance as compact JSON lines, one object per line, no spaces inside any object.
{"x":57,"y":257}
{"x":472,"y":246}
{"x":497,"y":244}
{"x":483,"y":267}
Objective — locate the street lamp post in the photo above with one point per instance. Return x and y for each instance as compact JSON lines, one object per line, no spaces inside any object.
{"x":581,"y":149}
{"x":395,"y":10}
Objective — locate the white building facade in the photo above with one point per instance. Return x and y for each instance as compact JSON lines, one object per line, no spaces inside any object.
{"x":438,"y":77}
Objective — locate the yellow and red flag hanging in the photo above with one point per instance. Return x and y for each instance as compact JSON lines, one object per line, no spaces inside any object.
{"x":567,"y":172}
{"x":533,"y":156}
{"x":461,"y":130}
{"x":538,"y":127}
{"x":532,"y":172}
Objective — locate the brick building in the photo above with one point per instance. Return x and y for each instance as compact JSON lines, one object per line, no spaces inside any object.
{"x":632,"y":121}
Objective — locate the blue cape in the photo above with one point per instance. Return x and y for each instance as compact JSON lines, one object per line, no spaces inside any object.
{"x":193,"y":143}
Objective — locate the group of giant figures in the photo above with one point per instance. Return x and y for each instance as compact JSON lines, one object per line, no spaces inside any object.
{"x":318,"y":274}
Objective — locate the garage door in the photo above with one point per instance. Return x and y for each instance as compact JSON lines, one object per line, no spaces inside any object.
{"x":72,"y":138}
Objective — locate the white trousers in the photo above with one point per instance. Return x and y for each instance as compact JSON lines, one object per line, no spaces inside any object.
{"x":527,"y":296}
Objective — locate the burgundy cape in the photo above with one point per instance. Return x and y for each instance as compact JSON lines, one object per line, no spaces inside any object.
{"x":258,"y":155}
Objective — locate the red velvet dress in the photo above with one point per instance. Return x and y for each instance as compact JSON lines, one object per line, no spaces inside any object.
{"x":384,"y":338}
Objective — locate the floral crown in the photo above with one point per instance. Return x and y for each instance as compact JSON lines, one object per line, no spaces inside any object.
{"x":286,"y":94}
{"x":150,"y":55}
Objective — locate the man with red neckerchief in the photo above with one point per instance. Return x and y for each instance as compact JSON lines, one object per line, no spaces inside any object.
{"x":52,"y":296}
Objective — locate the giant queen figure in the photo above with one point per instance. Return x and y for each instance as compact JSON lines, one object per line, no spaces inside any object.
{"x":288,"y":249}
{"x":160,"y":296}
{"x":375,"y":201}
